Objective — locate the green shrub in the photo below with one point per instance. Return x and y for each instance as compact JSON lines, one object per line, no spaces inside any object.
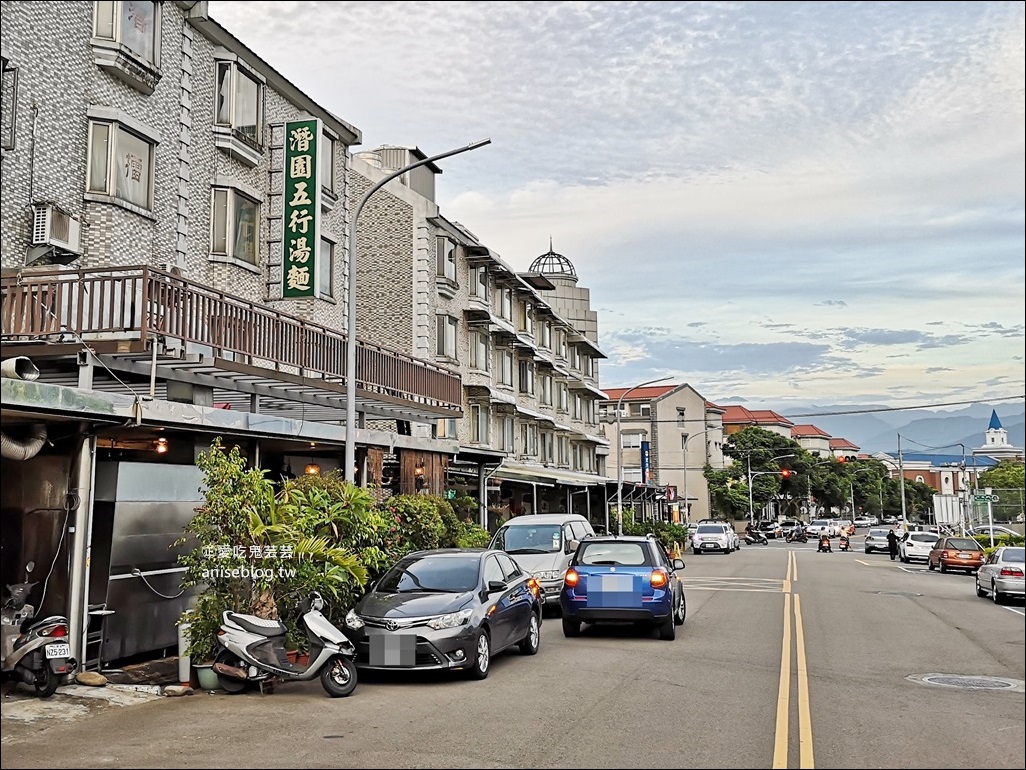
{"x":414,"y":522}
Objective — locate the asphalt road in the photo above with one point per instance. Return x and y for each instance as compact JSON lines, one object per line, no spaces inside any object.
{"x":788,"y":658}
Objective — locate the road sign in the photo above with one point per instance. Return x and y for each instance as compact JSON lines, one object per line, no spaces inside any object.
{"x":985,"y":498}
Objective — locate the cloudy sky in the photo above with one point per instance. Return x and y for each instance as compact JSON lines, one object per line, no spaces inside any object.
{"x":779,"y":203}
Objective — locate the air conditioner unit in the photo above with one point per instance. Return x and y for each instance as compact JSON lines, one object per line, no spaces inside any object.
{"x":54,"y":227}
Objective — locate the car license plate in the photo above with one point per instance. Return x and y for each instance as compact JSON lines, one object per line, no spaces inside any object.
{"x":58,"y":651}
{"x":965,"y":556}
{"x":393,"y":650}
{"x":710,"y":545}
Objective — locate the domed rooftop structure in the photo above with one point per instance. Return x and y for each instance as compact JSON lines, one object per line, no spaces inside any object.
{"x":551,"y":263}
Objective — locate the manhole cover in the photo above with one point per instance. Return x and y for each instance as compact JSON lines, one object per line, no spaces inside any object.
{"x":963,"y":682}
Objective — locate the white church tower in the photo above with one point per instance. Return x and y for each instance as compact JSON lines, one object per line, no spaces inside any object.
{"x":996,"y":442}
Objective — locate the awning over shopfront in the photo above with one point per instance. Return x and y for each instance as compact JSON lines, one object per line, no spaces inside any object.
{"x":548,"y":476}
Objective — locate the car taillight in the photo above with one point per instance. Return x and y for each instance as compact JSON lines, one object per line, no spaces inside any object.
{"x":55,"y":631}
{"x":1011,"y":572}
{"x":571,"y":577}
{"x":658,"y":578}
{"x":944,"y":554}
{"x":532,"y":584}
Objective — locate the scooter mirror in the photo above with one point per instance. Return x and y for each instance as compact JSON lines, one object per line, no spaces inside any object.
{"x":30,"y":566}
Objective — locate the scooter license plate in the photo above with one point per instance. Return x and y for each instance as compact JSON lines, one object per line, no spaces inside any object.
{"x":57,"y":651}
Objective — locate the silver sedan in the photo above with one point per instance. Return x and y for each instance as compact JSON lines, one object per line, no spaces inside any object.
{"x":1002,"y":574}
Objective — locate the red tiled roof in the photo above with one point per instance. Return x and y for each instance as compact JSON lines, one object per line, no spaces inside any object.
{"x":735,"y":414}
{"x":808,"y":430}
{"x":639,"y":394}
{"x":842,"y":443}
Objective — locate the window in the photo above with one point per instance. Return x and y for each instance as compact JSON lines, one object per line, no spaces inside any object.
{"x":529,"y":438}
{"x":9,"y":105}
{"x":509,"y":568}
{"x":234,"y":220}
{"x":506,"y":303}
{"x":527,"y":377}
{"x":492,"y":571}
{"x":561,"y":344}
{"x":445,"y":428}
{"x":525,"y":317}
{"x":238,"y":101}
{"x":132,"y":23}
{"x":564,"y":397}
{"x":479,"y":283}
{"x":680,"y":419}
{"x":639,"y":410}
{"x":326,"y":151}
{"x":507,"y":435}
{"x":575,"y":358}
{"x":578,"y":412}
{"x":564,"y":450}
{"x":479,"y":424}
{"x":326,"y":269}
{"x":632,"y":440}
{"x":479,"y":356}
{"x":446,"y":336}
{"x":506,"y":367}
{"x":545,"y":335}
{"x":445,"y":254}
{"x":546,"y":390}
{"x":546,"y":447}
{"x":120,"y":164}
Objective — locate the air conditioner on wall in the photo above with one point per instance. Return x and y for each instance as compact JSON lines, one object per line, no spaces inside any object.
{"x":55,"y":234}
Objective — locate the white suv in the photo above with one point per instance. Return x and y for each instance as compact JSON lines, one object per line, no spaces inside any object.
{"x":819,"y":527}
{"x":712,"y":537}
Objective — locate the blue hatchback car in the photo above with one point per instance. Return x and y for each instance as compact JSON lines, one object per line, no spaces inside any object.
{"x":623,"y":579}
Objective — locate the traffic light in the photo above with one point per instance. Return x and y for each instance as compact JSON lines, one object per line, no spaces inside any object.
{"x":786,"y":473}
{"x":847,"y":458}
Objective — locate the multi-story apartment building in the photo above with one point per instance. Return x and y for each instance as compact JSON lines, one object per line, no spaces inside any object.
{"x":173,"y":231}
{"x":669,"y":435}
{"x":524,"y":343}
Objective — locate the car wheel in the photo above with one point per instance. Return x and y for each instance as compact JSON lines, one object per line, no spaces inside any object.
{"x":931,"y":565}
{"x":979,"y":591}
{"x":668,"y":629}
{"x":867,"y":550}
{"x":695,"y":551}
{"x":482,"y":656}
{"x":995,"y":594}
{"x":571,"y":627}
{"x":943,"y":567}
{"x":681,"y":612}
{"x":530,"y":643}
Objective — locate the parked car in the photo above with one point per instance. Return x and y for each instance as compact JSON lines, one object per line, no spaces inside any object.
{"x":865,"y":521}
{"x":448,"y":608}
{"x":616,"y":579}
{"x":876,"y":540}
{"x":962,"y":553}
{"x":916,"y":546}
{"x":983,"y":532}
{"x":770,"y":529}
{"x":1003,"y":574}
{"x":543,"y":544}
{"x":712,"y":537}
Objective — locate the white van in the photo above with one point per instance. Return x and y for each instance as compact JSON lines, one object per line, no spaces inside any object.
{"x":543,"y":544}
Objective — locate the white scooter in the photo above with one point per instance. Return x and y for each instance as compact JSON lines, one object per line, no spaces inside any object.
{"x":36,"y":653}
{"x":254,"y":652}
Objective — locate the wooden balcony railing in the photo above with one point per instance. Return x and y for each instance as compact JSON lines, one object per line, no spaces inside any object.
{"x":140,"y":303}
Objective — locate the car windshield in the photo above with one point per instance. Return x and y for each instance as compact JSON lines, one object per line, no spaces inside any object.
{"x":534,"y":538}
{"x":1014,"y":555}
{"x":963,"y":544}
{"x":711,"y":529}
{"x":613,"y":554}
{"x":434,"y":574}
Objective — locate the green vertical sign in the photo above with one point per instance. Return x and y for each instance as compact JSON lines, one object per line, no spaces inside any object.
{"x":301,"y":215}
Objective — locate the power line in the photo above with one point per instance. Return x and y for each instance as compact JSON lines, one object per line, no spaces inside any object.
{"x":905,"y":408}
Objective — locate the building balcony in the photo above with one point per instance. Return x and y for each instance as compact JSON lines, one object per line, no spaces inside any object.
{"x":135,"y":318}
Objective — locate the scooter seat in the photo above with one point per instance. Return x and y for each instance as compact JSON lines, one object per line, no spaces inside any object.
{"x":256,"y":625}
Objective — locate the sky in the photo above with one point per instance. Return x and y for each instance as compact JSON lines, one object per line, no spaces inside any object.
{"x":779,"y":203}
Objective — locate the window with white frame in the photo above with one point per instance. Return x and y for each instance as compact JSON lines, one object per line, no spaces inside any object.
{"x":545,"y":335}
{"x":585,"y":364}
{"x":479,"y":424}
{"x":479,"y":283}
{"x":561,"y":343}
{"x":527,"y":377}
{"x":680,"y":417}
{"x":132,"y":23}
{"x":506,"y":303}
{"x":529,"y":439}
{"x":479,"y":354}
{"x":525,"y":316}
{"x":640,"y":409}
{"x":575,"y":358}
{"x":547,"y":446}
{"x":444,"y":428}
{"x":445,"y":336}
{"x":508,"y":436}
{"x":326,"y":269}
{"x":632,"y":440}
{"x":445,"y":257}
{"x":120,"y":164}
{"x":563,"y":391}
{"x":326,"y":161}
{"x":564,"y":450}
{"x":546,"y":390}
{"x":506,"y":367}
{"x":238,"y":101}
{"x":632,"y":474}
{"x":578,"y":410}
{"x":234,"y":225}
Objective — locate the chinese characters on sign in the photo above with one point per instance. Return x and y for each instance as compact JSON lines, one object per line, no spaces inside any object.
{"x":302,"y":209}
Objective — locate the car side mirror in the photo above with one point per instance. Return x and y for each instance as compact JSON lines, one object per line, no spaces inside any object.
{"x":495,"y":586}
{"x":678,"y":563}
{"x":571,"y":545}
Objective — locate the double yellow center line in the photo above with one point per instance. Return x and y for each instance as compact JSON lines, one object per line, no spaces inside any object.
{"x":782,"y":736}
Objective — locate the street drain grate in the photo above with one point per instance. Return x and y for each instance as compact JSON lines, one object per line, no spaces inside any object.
{"x":963,"y":682}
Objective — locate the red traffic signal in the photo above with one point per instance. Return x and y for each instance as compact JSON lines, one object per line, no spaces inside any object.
{"x":847,"y":458}
{"x":786,"y":473}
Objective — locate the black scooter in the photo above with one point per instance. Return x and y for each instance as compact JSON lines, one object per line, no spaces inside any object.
{"x":798,"y":536}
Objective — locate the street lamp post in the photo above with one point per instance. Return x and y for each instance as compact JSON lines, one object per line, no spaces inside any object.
{"x":350,"y":459}
{"x":687,"y":505}
{"x":619,"y":457}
